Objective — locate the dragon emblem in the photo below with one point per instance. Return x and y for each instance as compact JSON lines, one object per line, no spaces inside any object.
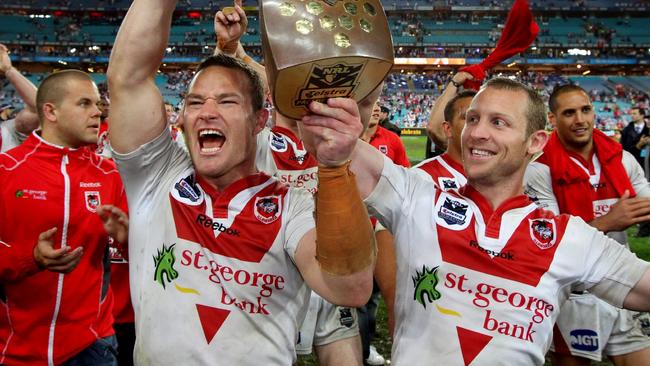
{"x":425,"y":283}
{"x":164,"y":262}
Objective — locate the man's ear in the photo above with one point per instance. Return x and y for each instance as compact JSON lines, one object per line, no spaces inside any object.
{"x":551,"y":119}
{"x":537,"y":141}
{"x":446,"y":129}
{"x":49,"y":112}
{"x":260,"y":120}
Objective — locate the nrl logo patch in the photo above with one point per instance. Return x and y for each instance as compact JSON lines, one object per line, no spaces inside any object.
{"x":452,"y":212}
{"x":187,"y":191}
{"x":542,"y":232}
{"x":447,"y":183}
{"x":92,"y":200}
{"x":267,"y":209}
{"x":331,"y":81}
{"x":278,"y":143}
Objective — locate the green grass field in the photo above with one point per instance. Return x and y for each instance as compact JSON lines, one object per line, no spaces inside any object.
{"x":415,"y":149}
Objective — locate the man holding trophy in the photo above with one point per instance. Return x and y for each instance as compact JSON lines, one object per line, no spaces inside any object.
{"x":234,"y":251}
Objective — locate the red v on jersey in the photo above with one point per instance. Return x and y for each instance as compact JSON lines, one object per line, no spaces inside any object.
{"x":211,"y":320}
{"x":288,"y":151}
{"x":250,"y":235}
{"x":521,"y":259}
{"x":471,"y":343}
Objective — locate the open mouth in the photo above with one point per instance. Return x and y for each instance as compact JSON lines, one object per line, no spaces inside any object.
{"x":211,"y":141}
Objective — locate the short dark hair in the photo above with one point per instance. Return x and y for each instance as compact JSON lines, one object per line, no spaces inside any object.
{"x":53,"y":88}
{"x":535,"y":111}
{"x":254,"y":80}
{"x":384,"y":109}
{"x":559,"y":90}
{"x":450,"y":108}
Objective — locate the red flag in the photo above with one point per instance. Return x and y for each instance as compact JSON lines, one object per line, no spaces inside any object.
{"x":519,"y":33}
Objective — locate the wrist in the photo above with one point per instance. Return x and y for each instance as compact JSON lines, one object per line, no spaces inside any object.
{"x":228,"y":48}
{"x":455,"y":83}
{"x":9,"y":71}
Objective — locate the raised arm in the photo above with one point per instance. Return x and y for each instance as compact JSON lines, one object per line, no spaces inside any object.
{"x":434,"y":127}
{"x":230,"y":24}
{"x":137,"y":109}
{"x":27,"y":119}
{"x":338,"y":262}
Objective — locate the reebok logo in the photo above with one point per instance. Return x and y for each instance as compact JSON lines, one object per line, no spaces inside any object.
{"x":208,"y":222}
{"x":503,"y":255}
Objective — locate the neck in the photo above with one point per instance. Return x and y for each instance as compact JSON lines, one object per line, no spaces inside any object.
{"x":222,"y":182}
{"x":54,"y":139}
{"x":584,"y":151}
{"x":289,"y":124}
{"x":497,"y":194}
{"x":454,"y":153}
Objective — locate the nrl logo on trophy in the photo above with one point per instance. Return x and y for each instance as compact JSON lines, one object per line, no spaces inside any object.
{"x":333,"y":81}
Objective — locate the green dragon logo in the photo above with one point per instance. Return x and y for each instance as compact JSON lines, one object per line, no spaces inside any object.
{"x":164,"y":262}
{"x":425,"y":283}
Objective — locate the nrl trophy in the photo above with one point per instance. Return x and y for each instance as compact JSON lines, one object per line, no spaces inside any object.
{"x":320,"y":49}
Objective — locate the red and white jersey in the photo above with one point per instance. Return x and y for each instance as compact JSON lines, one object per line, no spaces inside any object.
{"x":389,"y":144}
{"x":281,"y":153}
{"x":48,"y":317}
{"x":212,"y":274}
{"x":477,"y":286}
{"x":445,"y":173}
{"x":9,"y":137}
{"x":538,"y":186}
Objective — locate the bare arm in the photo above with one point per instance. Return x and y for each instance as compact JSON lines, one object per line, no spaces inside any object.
{"x":25,"y":88}
{"x":639,"y":297}
{"x":434,"y":128}
{"x":346,"y":290}
{"x":137,"y":112}
{"x":230,"y":25}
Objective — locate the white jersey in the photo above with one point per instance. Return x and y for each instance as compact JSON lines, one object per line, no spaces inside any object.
{"x":213,"y":279}
{"x":483,"y":287}
{"x":539,"y":187}
{"x":282,"y":154}
{"x":443,"y":171}
{"x":9,"y":137}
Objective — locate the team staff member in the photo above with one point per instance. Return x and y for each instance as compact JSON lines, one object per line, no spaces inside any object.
{"x":57,"y":304}
{"x":585,"y":173}
{"x":481,"y":272}
{"x":236,"y":249}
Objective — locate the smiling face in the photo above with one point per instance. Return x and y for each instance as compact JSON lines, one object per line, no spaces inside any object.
{"x":573,"y":119}
{"x":495,"y":149}
{"x":220,"y":125}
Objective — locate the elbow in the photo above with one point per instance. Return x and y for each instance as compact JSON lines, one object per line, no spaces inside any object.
{"x":357,"y":290}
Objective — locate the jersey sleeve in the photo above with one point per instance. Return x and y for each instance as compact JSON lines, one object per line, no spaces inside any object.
{"x":636,"y":174}
{"x":538,"y":186}
{"x":300,"y":219}
{"x":263,"y":156}
{"x":610,"y":269}
{"x":394,"y":193}
{"x":146,"y":168}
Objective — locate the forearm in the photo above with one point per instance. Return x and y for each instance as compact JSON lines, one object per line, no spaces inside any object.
{"x":25,"y":88}
{"x":367,"y":164}
{"x":345,"y":242}
{"x":434,"y":127}
{"x":141,"y":41}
